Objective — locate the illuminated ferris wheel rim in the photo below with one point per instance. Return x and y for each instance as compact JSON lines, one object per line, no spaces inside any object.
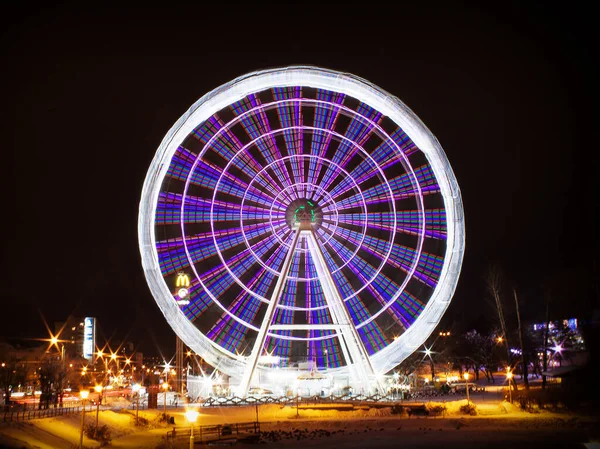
{"x":346,"y":84}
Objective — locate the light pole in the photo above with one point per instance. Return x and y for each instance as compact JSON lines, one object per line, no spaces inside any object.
{"x":509,"y":376}
{"x":84,"y":395}
{"x":98,"y":389}
{"x":297,"y":402}
{"x":100,"y":354}
{"x":165,"y":387}
{"x":114,"y":357}
{"x":136,"y":390}
{"x":192,"y":416}
{"x":466,"y":376}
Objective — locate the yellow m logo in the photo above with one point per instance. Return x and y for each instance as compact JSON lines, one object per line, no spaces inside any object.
{"x":183,"y":280}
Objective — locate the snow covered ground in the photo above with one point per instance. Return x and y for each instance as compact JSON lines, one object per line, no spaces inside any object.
{"x":498,"y":423}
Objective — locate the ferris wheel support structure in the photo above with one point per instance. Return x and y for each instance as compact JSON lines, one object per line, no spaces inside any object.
{"x":355,"y":353}
{"x":268,"y":318}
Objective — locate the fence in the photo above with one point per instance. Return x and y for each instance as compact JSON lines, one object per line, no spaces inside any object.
{"x":253,"y":400}
{"x":24,"y":415}
{"x":206,"y":434}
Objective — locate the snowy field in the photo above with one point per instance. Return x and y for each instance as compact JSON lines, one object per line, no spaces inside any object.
{"x":497,"y":425}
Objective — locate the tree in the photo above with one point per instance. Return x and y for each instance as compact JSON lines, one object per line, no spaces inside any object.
{"x":493,"y":281}
{"x":13,"y":372}
{"x":479,"y":351}
{"x":545,"y":345}
{"x":524,"y":360}
{"x":52,"y":375}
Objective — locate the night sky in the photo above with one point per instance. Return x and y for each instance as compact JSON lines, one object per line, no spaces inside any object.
{"x":87,"y":96}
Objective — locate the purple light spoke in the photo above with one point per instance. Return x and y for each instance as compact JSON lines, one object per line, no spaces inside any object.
{"x":326,"y":116}
{"x":225,"y":144}
{"x":258,"y":128}
{"x":358,"y":132}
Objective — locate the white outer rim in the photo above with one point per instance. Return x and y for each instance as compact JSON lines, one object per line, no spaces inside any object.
{"x":389,"y":105}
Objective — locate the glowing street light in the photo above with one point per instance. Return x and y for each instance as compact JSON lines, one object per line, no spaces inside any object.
{"x":165,"y":387}
{"x":509,"y":376}
{"x":191,"y":415}
{"x":84,"y":395}
{"x":98,"y":389}
{"x":136,"y":390}
{"x":466,"y":376}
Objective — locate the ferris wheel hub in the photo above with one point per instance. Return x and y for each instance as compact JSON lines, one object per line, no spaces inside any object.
{"x":304,"y":211}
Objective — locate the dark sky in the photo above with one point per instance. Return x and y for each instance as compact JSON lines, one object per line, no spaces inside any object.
{"x":88,"y":94}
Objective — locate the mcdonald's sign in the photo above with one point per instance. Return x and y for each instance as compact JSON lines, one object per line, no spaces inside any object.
{"x":183,"y":280}
{"x":182,"y":284}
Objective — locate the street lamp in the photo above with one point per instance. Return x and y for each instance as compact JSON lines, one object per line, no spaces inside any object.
{"x":136,"y":390}
{"x":98,"y":389}
{"x":466,"y":376}
{"x":100,"y":355}
{"x":84,"y":395}
{"x":165,"y":387}
{"x":509,"y":376}
{"x":192,"y":416}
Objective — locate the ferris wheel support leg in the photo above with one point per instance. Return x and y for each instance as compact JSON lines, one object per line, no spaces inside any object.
{"x":267,"y":320}
{"x":360,"y":365}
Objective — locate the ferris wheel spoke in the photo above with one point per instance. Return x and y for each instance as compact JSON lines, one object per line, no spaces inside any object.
{"x":385,"y":156}
{"x":256,"y":126}
{"x":218,"y":143}
{"x":435,"y":224}
{"x":290,"y":118}
{"x":206,"y":174}
{"x":428,"y":268}
{"x":270,"y":248}
{"x":407,"y":308}
{"x":345,"y":152}
{"x":373,"y":337}
{"x":246,"y":306}
{"x":200,"y":301}
{"x":263,"y":187}
{"x":326,"y":113}
{"x":374,"y":246}
{"x":228,"y":333}
{"x":319,"y":144}
{"x":347,"y":184}
{"x":358,"y":132}
{"x":369,"y":274}
{"x":427,"y":183}
{"x":222,"y":212}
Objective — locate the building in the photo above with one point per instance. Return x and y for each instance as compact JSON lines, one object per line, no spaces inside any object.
{"x":77,"y":337}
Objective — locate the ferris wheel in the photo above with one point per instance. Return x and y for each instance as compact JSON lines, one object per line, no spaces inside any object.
{"x":301,"y":217}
